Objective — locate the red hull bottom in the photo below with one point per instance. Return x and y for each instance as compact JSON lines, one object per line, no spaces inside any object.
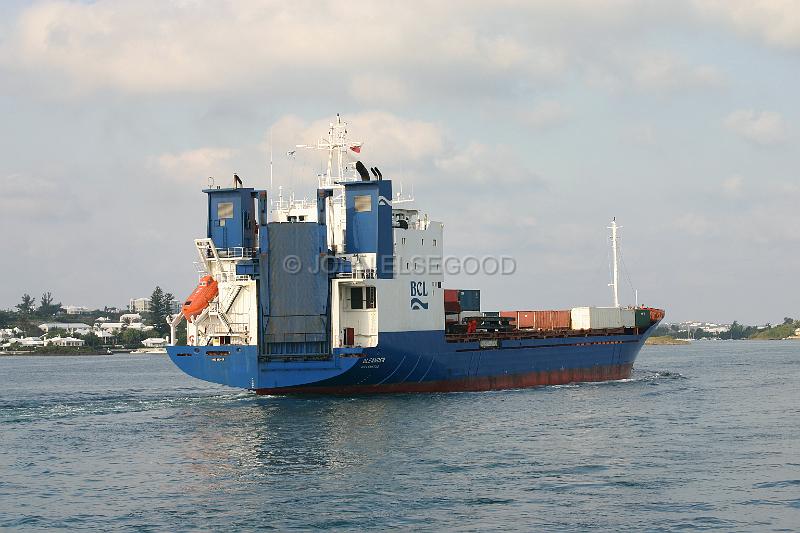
{"x":471,"y":384}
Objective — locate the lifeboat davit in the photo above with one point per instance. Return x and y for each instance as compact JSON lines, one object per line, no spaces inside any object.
{"x":206,"y":291}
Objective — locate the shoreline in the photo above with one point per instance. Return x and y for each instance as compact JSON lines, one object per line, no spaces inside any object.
{"x":26,"y":353}
{"x":665,"y":341}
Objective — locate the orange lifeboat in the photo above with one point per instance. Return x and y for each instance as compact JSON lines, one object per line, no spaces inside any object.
{"x":199,"y":299}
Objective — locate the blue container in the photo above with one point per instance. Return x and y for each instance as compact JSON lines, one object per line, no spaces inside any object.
{"x":470,"y":299}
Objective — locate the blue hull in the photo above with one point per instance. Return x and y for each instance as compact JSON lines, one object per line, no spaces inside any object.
{"x":419,"y":362}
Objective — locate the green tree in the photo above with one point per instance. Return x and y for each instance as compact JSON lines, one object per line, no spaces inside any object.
{"x":169,"y":303}
{"x":788,"y":320}
{"x":47,"y":307}
{"x":132,"y":338}
{"x":26,"y":306}
{"x":6,"y":318}
{"x":156,"y":312}
{"x":161,"y":305}
{"x":180,"y":333}
{"x":92,"y":340}
{"x":736,"y":331}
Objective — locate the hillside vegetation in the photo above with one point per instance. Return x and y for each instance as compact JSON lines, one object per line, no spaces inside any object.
{"x":777,"y":332}
{"x":736,"y":331}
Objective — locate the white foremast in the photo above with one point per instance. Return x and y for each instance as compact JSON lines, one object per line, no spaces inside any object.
{"x":615,"y":273}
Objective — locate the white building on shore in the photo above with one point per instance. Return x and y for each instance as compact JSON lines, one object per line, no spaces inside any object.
{"x":116,"y":327}
{"x":70,"y":327}
{"x":29,"y":341}
{"x":139,"y":305}
{"x":130,"y":318}
{"x":155,"y":342}
{"x":69,"y":342}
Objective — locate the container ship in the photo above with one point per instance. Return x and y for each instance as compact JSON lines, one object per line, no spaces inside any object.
{"x":345,"y":294}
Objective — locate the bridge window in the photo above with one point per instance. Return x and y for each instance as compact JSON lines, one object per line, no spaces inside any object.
{"x":356,"y":298}
{"x":362,"y":298}
{"x":363,"y":203}
{"x":224,"y":210}
{"x":370,"y":297}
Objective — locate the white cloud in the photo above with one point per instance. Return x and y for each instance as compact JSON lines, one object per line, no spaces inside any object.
{"x":696,"y":225}
{"x":641,"y":134}
{"x":733,"y":186}
{"x":197,"y":164}
{"x":36,"y":199}
{"x":777,"y":22}
{"x":326,"y":46}
{"x":153,"y":46}
{"x":377,"y":89}
{"x":764,"y":128}
{"x":484,"y":164}
{"x":664,"y":71}
{"x":546,"y":114}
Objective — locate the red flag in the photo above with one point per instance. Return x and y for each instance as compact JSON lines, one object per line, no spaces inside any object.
{"x":356,"y":148}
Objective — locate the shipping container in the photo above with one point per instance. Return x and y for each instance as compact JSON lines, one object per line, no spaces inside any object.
{"x":544,"y":320}
{"x":451,"y":295}
{"x":628,"y":318}
{"x":602,"y":318}
{"x":550,"y":320}
{"x":470,"y":300}
{"x":452,"y":307}
{"x":519,"y":319}
{"x":642,"y":318}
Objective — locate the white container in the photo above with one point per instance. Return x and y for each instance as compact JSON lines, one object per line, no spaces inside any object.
{"x":628,"y":317}
{"x":601,"y":318}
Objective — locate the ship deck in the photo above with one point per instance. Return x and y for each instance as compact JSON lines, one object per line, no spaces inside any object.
{"x":523,"y":334}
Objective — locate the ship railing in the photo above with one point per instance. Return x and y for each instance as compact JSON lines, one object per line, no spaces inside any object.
{"x":359,"y":273}
{"x":200,"y":268}
{"x":236,"y":252}
{"x":220,"y":276}
{"x":231,"y":276}
{"x":522,"y":334}
{"x":236,"y":328}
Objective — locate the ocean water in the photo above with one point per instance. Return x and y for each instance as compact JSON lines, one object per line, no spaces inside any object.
{"x":703,"y":437}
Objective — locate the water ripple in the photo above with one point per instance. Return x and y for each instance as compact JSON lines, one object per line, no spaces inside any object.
{"x":699,"y":438}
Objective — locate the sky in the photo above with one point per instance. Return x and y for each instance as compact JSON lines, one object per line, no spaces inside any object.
{"x":524,"y":126}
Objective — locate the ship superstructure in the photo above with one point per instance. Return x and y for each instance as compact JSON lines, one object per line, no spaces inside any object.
{"x":345,"y":293}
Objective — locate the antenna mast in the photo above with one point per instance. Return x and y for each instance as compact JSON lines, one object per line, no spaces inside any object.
{"x":615,"y":281}
{"x":335,"y":144}
{"x":270,"y":163}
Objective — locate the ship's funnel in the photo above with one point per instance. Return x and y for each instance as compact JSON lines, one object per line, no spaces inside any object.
{"x":362,"y":171}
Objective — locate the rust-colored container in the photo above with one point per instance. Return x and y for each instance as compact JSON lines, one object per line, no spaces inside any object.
{"x":550,"y":320}
{"x":451,"y":295}
{"x":545,"y":320}
{"x":513,"y":316}
{"x":452,"y":307}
